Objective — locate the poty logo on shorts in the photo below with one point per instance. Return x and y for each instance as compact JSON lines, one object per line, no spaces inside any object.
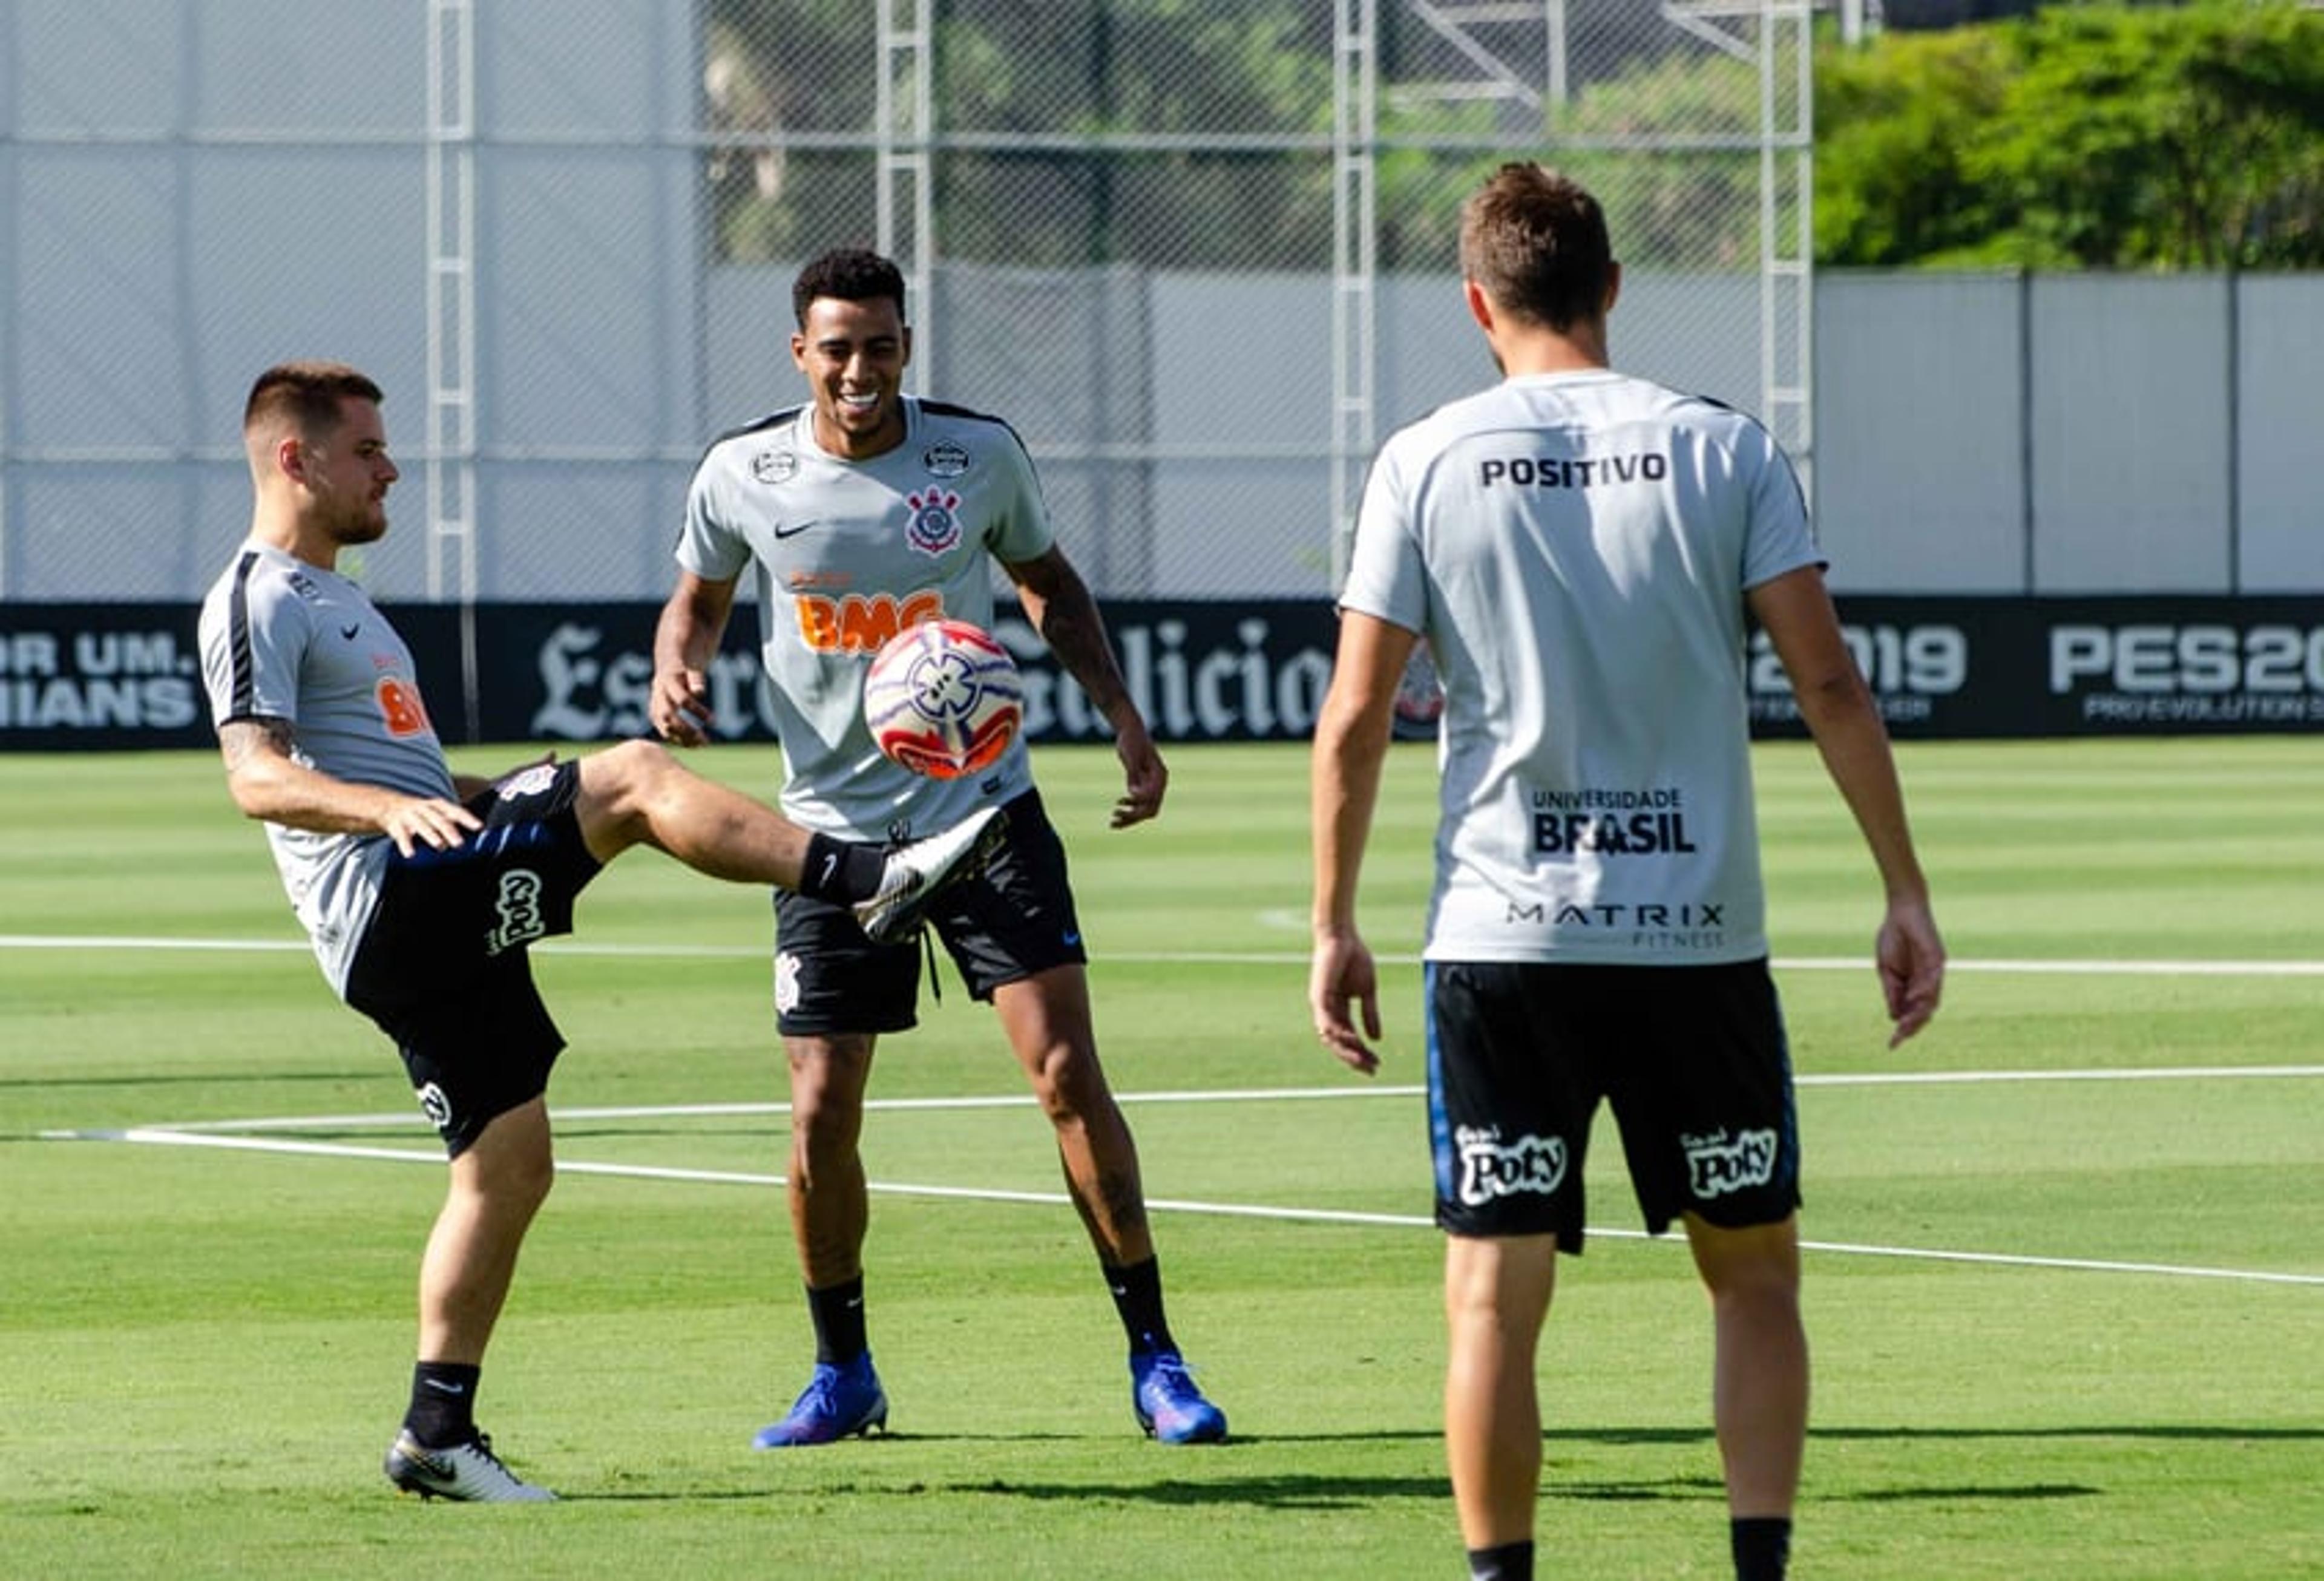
{"x":935,"y":528}
{"x":1719,"y":1165}
{"x":786,"y":983}
{"x":519,"y":905}
{"x":434,"y":1105}
{"x":1491,"y":1168}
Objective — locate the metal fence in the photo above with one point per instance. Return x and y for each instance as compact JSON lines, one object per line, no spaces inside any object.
{"x":1194,"y":250}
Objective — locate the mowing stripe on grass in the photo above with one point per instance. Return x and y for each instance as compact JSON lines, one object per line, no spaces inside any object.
{"x":164,"y":1137}
{"x":1211,"y":957}
{"x":1223,"y":1095}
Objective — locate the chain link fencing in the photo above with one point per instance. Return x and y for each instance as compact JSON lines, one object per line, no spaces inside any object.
{"x":1200,"y":254}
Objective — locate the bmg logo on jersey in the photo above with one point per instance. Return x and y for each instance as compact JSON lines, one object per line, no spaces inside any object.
{"x":861,"y":623}
{"x":518,"y":908}
{"x":1491,"y":1168}
{"x":1721,"y":1164}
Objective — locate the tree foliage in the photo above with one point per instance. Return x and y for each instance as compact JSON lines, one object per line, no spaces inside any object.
{"x":1194,"y":134}
{"x":2086,"y":137}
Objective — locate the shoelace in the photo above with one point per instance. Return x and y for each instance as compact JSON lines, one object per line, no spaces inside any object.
{"x":822,"y":1395}
{"x":1174,"y":1382}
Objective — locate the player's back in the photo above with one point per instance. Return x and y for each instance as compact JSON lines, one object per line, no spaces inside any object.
{"x":1580,"y":544}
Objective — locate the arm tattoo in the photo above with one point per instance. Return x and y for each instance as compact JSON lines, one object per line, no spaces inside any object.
{"x":241,"y":740}
{"x":1071,"y":626}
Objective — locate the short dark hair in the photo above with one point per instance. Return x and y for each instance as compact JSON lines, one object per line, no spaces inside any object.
{"x":851,"y":274}
{"x":1535,"y":242}
{"x":306,"y":394}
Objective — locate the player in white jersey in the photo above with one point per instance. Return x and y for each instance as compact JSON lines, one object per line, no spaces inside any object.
{"x":420,"y":888}
{"x":1579,"y":550}
{"x":860,"y":513}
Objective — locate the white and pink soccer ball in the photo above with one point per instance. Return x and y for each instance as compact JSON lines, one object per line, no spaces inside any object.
{"x":944,"y":699}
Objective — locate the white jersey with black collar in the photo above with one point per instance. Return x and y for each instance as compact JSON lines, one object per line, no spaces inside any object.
{"x":282,"y":639}
{"x":1574,"y":548}
{"x":845,"y":553}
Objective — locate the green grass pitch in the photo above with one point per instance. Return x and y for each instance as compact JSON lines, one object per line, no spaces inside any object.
{"x":2066,"y":1292}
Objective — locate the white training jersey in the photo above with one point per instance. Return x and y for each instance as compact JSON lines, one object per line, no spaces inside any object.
{"x":847,"y":554}
{"x":283,"y":640}
{"x":1574,"y":548}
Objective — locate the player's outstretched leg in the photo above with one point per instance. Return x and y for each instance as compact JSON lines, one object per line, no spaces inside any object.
{"x":470,"y":1473}
{"x":839,"y":1402}
{"x":1167,"y":1404}
{"x":918,"y":872}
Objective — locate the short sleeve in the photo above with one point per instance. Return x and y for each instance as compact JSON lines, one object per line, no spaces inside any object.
{"x":707,"y":545}
{"x":1387,"y":576}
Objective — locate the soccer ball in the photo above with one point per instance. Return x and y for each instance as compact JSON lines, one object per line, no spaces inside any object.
{"x":944,"y":699}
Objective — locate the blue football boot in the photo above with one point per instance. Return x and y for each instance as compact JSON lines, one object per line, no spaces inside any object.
{"x":1168,"y":1405}
{"x":838,"y":1402}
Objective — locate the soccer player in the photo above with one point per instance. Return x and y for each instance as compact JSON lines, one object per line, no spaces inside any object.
{"x":1579,"y":550}
{"x":864,"y":510}
{"x":421,"y":889}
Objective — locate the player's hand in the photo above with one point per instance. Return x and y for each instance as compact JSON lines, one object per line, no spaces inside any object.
{"x":1911,"y":960}
{"x":1145,"y":776}
{"x":412,"y":822}
{"x":1341,"y":977}
{"x":680,"y":707}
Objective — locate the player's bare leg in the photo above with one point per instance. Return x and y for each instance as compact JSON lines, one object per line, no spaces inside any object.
{"x":497,"y":1185}
{"x":638,"y":793}
{"x":1047,"y":1018}
{"x":830,"y":1205}
{"x":1497,"y":1293}
{"x":1759,"y":1387}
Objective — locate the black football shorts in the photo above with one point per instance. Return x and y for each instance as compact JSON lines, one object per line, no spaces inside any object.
{"x":443,"y":968}
{"x":1012,"y":919}
{"x":1693,"y":1060}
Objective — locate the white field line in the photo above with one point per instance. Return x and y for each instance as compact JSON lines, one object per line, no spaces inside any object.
{"x":212,"y":1134}
{"x":1229,"y":1095}
{"x":2099,"y":968}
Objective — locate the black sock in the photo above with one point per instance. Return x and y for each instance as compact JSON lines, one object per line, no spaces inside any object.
{"x":443,"y":1403}
{"x":1763,"y":1547}
{"x":1137,"y":1297}
{"x":841,"y":871}
{"x":1511,"y":1561}
{"x":838,"y":1313}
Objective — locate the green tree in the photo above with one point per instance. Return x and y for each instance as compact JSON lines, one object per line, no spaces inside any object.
{"x":2087,"y":137}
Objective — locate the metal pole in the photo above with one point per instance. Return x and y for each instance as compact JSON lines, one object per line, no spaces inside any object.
{"x":1355,"y":254}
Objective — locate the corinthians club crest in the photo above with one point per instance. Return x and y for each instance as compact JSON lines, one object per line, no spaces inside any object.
{"x":935,"y":528}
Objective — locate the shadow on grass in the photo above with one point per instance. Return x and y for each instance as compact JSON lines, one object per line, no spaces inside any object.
{"x":1286,"y":1491}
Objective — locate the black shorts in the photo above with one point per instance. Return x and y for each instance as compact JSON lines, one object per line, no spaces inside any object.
{"x":442,"y":968}
{"x":1011,"y":920}
{"x":1692,"y":1059}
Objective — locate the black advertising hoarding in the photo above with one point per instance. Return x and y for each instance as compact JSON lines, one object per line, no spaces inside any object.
{"x":1967,"y":668}
{"x":1201,"y":671}
{"x":129,"y":675}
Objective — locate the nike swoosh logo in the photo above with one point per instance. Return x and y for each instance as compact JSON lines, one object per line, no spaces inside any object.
{"x":1074,"y":938}
{"x":441,"y":1387}
{"x":349,"y":632}
{"x":792,"y":529}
